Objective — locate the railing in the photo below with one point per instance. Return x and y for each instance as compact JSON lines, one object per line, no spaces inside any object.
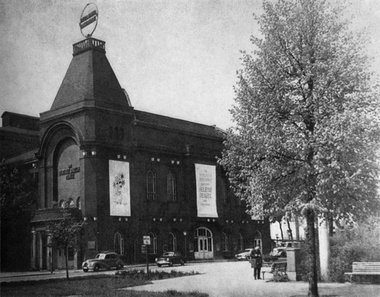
{"x":89,"y":43}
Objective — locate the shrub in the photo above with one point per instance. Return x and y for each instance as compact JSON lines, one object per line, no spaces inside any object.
{"x":354,"y":244}
{"x":279,"y":276}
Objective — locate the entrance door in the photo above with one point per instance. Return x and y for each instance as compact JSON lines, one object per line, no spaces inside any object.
{"x":203,"y":244}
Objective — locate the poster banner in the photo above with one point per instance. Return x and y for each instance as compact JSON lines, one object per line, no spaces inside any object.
{"x":120,"y":196}
{"x":205,"y":176}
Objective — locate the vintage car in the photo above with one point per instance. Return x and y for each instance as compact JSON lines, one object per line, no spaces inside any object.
{"x":104,"y":260}
{"x":244,"y":255}
{"x":170,"y":258}
{"x":278,"y":252}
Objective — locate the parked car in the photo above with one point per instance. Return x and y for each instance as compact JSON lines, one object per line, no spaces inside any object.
{"x":170,"y":258}
{"x":278,"y":252}
{"x":244,"y":255}
{"x":104,"y":260}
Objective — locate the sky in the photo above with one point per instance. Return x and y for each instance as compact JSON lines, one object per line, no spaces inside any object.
{"x":174,"y":57}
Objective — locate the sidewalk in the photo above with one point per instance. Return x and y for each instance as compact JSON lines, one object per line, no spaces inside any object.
{"x":58,"y":273}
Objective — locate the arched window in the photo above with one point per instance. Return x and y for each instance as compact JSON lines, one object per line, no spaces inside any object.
{"x":118,"y":243}
{"x":172,"y":242}
{"x":153,"y":242}
{"x":151,"y":185}
{"x":241,"y":242}
{"x":171,"y":187}
{"x":257,"y":240}
{"x":224,"y":242}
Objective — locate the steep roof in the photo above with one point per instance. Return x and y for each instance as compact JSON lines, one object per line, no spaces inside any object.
{"x":90,"y":80}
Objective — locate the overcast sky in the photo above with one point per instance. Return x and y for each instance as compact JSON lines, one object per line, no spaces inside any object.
{"x":175,"y":58}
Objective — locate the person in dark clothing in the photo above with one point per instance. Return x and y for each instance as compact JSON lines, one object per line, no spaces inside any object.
{"x":256,"y":262}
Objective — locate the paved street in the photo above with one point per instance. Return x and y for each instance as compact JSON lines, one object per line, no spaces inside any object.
{"x":220,"y":279}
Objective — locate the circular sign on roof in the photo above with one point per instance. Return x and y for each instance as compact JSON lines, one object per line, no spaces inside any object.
{"x":88,"y":20}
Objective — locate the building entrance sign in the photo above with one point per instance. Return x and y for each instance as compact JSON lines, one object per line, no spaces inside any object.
{"x":69,"y":172}
{"x":88,"y":20}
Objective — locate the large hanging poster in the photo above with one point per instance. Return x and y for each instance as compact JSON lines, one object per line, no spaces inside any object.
{"x":120,"y":196}
{"x":205,"y":176}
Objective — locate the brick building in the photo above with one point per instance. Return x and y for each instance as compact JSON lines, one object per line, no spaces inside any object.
{"x":131,"y":173}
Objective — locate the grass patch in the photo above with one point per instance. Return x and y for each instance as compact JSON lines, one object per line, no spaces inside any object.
{"x":95,"y":285}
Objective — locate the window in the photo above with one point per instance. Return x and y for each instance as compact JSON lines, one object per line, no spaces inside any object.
{"x":151,"y":185}
{"x":71,"y":253}
{"x":241,"y":242}
{"x":257,"y":240}
{"x":171,"y":187}
{"x":172,"y":242}
{"x":118,"y":243}
{"x":225,"y":242}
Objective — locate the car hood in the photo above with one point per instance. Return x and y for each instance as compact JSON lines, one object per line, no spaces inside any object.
{"x":242,"y":254}
{"x":91,"y":260}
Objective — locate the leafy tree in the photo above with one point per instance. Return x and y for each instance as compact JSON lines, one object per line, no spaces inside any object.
{"x":306,"y":120}
{"x":65,"y":232}
{"x":17,"y":200}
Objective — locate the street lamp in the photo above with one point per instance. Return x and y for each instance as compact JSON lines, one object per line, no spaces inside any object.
{"x":185,"y":234}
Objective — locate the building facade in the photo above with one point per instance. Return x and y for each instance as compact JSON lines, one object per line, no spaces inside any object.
{"x":131,"y":174}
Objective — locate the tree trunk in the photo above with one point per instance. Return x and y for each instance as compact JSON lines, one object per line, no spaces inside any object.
{"x":312,"y":253}
{"x":324,"y":248}
{"x":67,"y":261}
{"x":289,"y":230}
{"x":282,"y":233}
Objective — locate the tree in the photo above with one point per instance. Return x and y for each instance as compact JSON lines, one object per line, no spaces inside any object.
{"x":17,"y":201}
{"x":65,"y":232}
{"x":306,"y":126}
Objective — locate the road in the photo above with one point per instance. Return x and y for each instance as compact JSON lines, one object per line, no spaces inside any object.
{"x":219,"y":279}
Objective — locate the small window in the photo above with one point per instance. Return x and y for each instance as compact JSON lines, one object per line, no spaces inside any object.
{"x":172,"y":242}
{"x":151,"y":185}
{"x":171,"y":187}
{"x":71,"y":253}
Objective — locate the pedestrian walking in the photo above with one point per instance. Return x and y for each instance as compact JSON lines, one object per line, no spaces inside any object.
{"x":256,"y":262}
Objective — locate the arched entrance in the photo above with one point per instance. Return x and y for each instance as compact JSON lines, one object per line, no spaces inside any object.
{"x":203,"y":244}
{"x":257,"y":240}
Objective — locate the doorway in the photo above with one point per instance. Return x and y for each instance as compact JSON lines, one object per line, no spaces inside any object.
{"x":203,"y":244}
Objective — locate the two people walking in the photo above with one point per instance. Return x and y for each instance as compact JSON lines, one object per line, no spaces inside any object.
{"x":256,"y":260}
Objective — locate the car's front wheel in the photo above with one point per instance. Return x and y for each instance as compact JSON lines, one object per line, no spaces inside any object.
{"x":170,"y":264}
{"x":119,"y":266}
{"x":85,"y":269}
{"x":182,"y":262}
